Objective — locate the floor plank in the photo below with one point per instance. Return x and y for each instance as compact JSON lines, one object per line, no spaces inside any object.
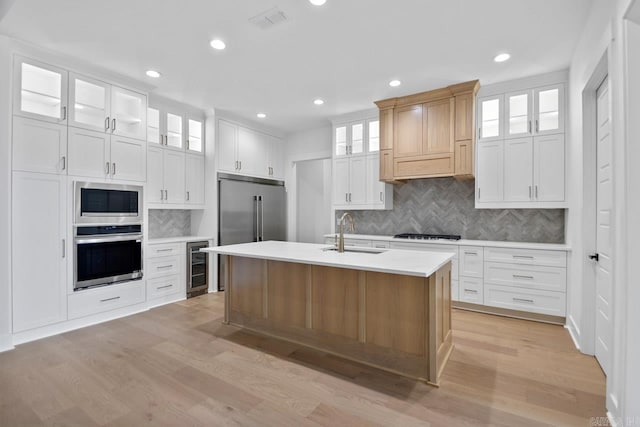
{"x":179,"y":365}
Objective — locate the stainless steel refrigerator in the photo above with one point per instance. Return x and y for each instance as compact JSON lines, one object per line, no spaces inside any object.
{"x":250,"y":210}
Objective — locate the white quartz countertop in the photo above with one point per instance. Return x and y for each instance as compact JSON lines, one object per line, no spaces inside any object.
{"x":463,"y":242}
{"x":394,"y":261}
{"x":185,"y":239}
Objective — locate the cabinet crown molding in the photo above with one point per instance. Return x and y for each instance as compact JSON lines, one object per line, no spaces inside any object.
{"x":432,"y":95}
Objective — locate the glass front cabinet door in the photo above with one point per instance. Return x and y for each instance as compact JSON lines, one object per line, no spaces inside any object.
{"x":490,"y":118}
{"x":128,"y":113}
{"x":174,"y":131}
{"x":195,"y":136}
{"x":549,"y":109}
{"x":40,"y":91}
{"x":90,"y":103}
{"x":518,"y":107}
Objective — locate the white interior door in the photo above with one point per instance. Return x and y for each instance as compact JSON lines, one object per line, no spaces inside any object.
{"x":604,"y":311}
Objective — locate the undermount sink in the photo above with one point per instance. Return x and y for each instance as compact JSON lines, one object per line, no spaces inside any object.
{"x":356,"y":250}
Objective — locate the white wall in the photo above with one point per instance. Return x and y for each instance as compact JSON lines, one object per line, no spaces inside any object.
{"x":313,"y":193}
{"x":306,"y":145}
{"x":5,"y":194}
{"x":603,"y":34}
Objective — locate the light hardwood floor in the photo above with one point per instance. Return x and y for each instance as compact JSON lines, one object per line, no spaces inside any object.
{"x":177,"y":365}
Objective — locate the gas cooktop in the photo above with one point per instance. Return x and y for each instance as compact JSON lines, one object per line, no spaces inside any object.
{"x":417,"y":236}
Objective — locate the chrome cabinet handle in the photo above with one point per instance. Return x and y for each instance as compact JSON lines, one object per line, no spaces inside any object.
{"x":530,"y":301}
{"x":529,"y":126}
{"x":113,"y":167}
{"x":64,"y":162}
{"x":164,"y":250}
{"x":473,"y":291}
{"x":64,"y":248}
{"x":518,"y":276}
{"x":109,"y":299}
{"x":164,"y":287}
{"x":478,"y":193}
{"x":188,"y":196}
{"x":240,"y":163}
{"x":523,"y":256}
{"x":530,"y":192}
{"x":166,"y":194}
{"x":187,"y":144}
{"x":537,"y":126}
{"x":480,"y":133}
{"x":471,"y":253}
{"x":165,"y":266}
{"x":381,"y":196}
{"x":536,"y":191}
{"x":161,"y":197}
{"x":64,"y":113}
{"x":108,"y":168}
{"x":113,"y":125}
{"x":346,"y":197}
{"x":106,"y":123}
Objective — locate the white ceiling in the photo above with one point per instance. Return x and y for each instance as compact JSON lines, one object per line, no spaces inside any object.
{"x":344,"y":52}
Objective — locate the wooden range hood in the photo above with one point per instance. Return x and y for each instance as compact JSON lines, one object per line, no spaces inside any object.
{"x":429,"y":134}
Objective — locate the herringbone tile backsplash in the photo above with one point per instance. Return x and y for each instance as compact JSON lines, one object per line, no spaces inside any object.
{"x":169,"y":223}
{"x":446,"y":206}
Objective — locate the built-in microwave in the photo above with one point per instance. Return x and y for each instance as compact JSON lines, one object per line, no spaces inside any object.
{"x":101,"y":203}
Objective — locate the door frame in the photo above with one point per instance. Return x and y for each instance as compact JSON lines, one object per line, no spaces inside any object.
{"x":589,"y":197}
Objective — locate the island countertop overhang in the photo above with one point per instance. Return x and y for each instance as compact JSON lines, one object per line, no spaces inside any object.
{"x":392,"y":261}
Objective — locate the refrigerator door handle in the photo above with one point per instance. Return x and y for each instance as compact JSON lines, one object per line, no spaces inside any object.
{"x":256,"y":236}
{"x":261,"y":220}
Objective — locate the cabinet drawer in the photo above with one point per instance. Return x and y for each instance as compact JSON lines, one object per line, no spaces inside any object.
{"x":165,"y":249}
{"x":471,"y":261}
{"x":431,"y":248}
{"x":434,"y":165}
{"x":471,"y":290}
{"x":162,"y":267}
{"x":526,"y":256}
{"x":530,"y":277}
{"x":164,"y":286}
{"x":361,"y":243}
{"x":93,"y":301}
{"x":531,"y":300}
{"x":455,"y":290}
{"x":379,"y":244}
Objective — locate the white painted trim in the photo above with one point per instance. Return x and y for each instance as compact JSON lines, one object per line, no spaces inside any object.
{"x":572,"y":333}
{"x":240,"y":121}
{"x":613,"y":420}
{"x":525,"y":83}
{"x":371,"y":114}
{"x":6,"y":342}
{"x":70,"y":325}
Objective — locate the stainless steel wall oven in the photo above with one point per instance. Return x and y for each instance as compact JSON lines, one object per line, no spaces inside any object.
{"x":108,"y":238}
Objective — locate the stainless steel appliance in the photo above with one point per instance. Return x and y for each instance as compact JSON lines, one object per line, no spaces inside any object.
{"x":418,"y":236}
{"x":197,"y":269}
{"x":100,"y":203}
{"x":106,"y":254}
{"x":250,"y":210}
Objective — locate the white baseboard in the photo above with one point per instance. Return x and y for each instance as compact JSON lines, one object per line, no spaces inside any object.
{"x":574,"y":331}
{"x":613,"y":420}
{"x":6,"y":342}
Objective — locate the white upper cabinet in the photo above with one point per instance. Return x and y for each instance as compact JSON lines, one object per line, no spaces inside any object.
{"x":39,"y":146}
{"x":128,"y":159}
{"x":99,"y":106}
{"x":357,"y":139}
{"x":194,"y":179}
{"x":174,"y":134}
{"x":91,"y":104}
{"x":524,"y":166}
{"x":128,"y":113}
{"x":249,"y":152}
{"x":549,"y":109}
{"x":373,"y":136}
{"x":489,"y":177}
{"x":195,"y":136}
{"x":154,"y":128}
{"x":40,"y":91}
{"x":518,"y":114}
{"x":490,"y":114}
{"x":549,"y":168}
{"x":340,"y":144}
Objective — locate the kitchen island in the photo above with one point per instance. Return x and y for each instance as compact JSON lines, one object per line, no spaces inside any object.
{"x":390,"y":309}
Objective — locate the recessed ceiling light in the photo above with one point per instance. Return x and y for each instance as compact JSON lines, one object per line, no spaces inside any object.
{"x":502,"y":57}
{"x":318,"y":101}
{"x":261,"y":115}
{"x":153,"y":73}
{"x":317,"y":2}
{"x":218,"y":44}
{"x":395,"y":83}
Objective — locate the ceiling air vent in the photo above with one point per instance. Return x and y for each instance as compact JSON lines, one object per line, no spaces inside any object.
{"x":269,"y":18}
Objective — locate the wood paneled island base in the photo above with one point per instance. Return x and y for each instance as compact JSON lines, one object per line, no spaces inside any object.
{"x":398,"y":323}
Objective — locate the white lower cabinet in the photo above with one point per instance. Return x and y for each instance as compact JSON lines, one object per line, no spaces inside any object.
{"x":165,"y":269}
{"x":471,"y":290}
{"x":39,"y":250}
{"x":471,"y":261}
{"x":93,"y":301}
{"x":100,"y":155}
{"x":39,"y":146}
{"x":524,"y":299}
